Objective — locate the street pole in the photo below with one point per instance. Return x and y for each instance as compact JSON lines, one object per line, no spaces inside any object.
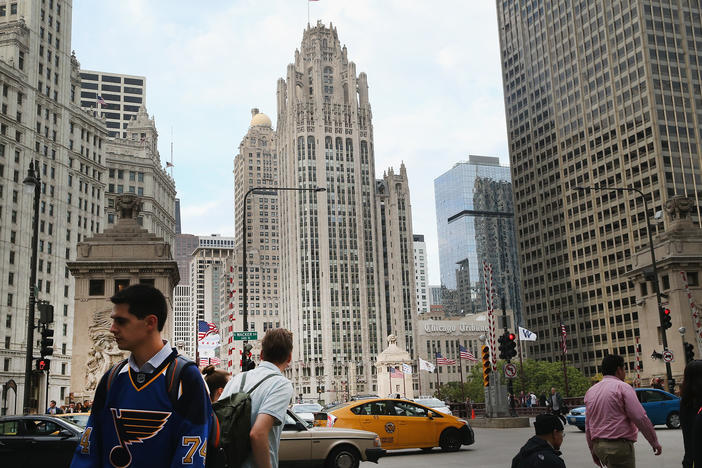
{"x":244,"y":290}
{"x":460,"y":368}
{"x":656,"y":285}
{"x":32,"y":181}
{"x":563,"y":355}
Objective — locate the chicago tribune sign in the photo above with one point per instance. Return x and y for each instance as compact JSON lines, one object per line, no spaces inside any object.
{"x":449,"y":328}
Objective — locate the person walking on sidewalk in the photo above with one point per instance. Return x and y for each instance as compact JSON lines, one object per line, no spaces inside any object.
{"x":613,"y":416}
{"x":557,"y":405}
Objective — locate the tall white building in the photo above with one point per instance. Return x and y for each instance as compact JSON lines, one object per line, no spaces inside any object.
{"x":421,"y":273}
{"x":184,"y":326}
{"x":123,"y":96}
{"x":41,"y":121}
{"x":134,"y":166}
{"x":331,"y":274}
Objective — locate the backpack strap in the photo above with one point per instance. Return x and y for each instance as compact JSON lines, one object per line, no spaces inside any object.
{"x":173,"y":376}
{"x":243,"y":381}
{"x":259,"y":383}
{"x":115,"y":371}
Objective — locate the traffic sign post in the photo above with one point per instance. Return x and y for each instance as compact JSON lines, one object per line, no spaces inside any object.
{"x":510,"y":370}
{"x":245,"y":335}
{"x":668,"y":356}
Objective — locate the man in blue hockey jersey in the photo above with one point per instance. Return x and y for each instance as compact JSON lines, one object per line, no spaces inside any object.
{"x":151,"y":410}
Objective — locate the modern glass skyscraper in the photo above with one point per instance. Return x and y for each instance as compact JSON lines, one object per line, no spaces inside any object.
{"x":596,"y":93}
{"x":455,"y":191}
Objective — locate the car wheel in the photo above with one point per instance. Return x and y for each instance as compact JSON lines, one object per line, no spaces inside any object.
{"x":343,"y":457}
{"x":582,"y":428}
{"x":450,"y":440}
{"x":673,"y":421}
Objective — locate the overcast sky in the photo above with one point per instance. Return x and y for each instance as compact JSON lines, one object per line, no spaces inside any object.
{"x":433,"y":71}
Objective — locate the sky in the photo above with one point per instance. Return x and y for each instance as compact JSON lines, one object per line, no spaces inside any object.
{"x":433,"y":69}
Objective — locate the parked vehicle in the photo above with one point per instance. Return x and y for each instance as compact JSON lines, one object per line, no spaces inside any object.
{"x":661,"y":408}
{"x":334,"y":448}
{"x":37,"y":441}
{"x":306,"y":411}
{"x":403,"y":424}
{"x":434,"y":403}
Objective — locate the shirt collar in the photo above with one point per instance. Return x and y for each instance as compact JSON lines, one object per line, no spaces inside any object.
{"x":269,"y":365}
{"x":154,"y":362}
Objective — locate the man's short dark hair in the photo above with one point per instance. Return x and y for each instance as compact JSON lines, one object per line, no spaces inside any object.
{"x":277,"y":345}
{"x":546,"y":423}
{"x":610,"y":364}
{"x":143,"y":300}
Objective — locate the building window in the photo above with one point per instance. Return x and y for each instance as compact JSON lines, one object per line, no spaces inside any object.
{"x":96,"y":287}
{"x":692,"y":278}
{"x":149,"y":281}
{"x":120,"y":284}
{"x":666,"y":282}
{"x":6,"y":363}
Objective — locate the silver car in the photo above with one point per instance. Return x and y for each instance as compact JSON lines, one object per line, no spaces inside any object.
{"x":305,"y":411}
{"x":435,"y":404}
{"x":302,"y":445}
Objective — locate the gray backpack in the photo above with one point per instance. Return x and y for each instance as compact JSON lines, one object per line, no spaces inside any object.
{"x":234,"y":415}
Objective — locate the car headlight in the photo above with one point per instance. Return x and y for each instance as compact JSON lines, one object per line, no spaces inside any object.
{"x":376,"y":441}
{"x":463,"y":421}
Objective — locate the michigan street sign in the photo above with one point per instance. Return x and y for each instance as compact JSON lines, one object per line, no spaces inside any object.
{"x":245,"y":335}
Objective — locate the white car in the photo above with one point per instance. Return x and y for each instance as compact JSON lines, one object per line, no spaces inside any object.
{"x":435,"y":404}
{"x":305,"y":411}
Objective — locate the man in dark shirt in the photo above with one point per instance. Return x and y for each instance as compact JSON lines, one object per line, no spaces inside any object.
{"x":541,"y":451}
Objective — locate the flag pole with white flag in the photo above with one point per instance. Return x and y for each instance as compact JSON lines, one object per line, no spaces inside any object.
{"x":526,"y":335}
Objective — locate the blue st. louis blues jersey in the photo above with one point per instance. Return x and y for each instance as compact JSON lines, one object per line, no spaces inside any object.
{"x":134,"y":424}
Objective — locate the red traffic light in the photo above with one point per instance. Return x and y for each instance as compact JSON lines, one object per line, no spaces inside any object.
{"x":512,"y":336}
{"x":666,"y":311}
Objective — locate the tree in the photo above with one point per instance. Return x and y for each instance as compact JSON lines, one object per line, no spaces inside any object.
{"x":539,"y":377}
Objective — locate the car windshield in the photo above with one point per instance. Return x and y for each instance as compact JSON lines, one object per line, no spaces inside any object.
{"x":307,"y":408}
{"x":331,"y":408}
{"x":431,"y":402}
{"x":80,"y":420}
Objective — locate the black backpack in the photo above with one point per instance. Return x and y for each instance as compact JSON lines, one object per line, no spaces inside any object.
{"x":234,"y":415}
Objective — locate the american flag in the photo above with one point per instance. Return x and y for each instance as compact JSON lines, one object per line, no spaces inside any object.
{"x":442,"y":361}
{"x":395,"y":373}
{"x":207,"y":361}
{"x":465,"y":354}
{"x":204,"y":329}
{"x":563,"y":338}
{"x":101,"y":100}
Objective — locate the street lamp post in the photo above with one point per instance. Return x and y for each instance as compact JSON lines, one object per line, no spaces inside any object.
{"x":656,"y":286}
{"x":31,"y":183}
{"x":244,"y":291}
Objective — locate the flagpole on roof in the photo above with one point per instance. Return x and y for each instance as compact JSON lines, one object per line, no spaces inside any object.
{"x":171,"y":151}
{"x":460,"y":368}
{"x":419,"y":375}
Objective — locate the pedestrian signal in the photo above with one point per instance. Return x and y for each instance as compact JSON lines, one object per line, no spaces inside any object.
{"x":689,"y":352}
{"x":43,"y":364}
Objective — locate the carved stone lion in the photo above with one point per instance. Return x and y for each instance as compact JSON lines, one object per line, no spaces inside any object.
{"x":678,"y":208}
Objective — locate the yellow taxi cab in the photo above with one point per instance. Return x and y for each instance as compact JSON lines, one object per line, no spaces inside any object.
{"x":403,"y":424}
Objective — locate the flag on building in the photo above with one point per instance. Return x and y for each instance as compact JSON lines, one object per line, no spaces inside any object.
{"x":526,"y":335}
{"x":101,"y":100}
{"x":395,"y":373}
{"x":563,"y":338}
{"x":406,"y":368}
{"x":465,"y":354}
{"x":443,"y":361}
{"x":169,"y":164}
{"x":426,"y":365}
{"x":204,"y":329}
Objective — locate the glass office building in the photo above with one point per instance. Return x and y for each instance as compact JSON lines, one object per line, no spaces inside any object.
{"x":477,"y":184}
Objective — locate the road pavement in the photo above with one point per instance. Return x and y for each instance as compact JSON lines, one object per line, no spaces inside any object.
{"x":494,"y":448}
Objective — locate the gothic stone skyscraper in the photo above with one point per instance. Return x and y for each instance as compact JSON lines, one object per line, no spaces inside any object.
{"x":329,"y":275}
{"x":596,"y":93}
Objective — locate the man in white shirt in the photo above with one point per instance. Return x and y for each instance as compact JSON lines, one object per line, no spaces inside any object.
{"x":270,"y":400}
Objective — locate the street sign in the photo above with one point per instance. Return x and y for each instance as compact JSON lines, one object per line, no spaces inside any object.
{"x":245,"y":335}
{"x":510,"y":370}
{"x":667,"y":356}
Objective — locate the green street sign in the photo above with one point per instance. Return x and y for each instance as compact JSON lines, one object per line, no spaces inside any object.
{"x":245,"y":335}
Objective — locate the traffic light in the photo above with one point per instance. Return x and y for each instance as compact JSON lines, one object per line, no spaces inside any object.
{"x":503,"y":346}
{"x":43,"y":364}
{"x":665,"y":318}
{"x":46,"y":312}
{"x":511,"y":346}
{"x":487,"y":367}
{"x":246,"y":362}
{"x":47,"y":342}
{"x":689,"y":352}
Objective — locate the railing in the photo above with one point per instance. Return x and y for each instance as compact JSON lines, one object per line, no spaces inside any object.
{"x":463,"y":410}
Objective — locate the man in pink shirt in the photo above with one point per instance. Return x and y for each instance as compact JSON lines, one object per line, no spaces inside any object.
{"x":613,"y":414}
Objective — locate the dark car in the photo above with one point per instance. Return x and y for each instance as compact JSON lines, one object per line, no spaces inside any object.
{"x":661,"y":408}
{"x":37,"y":441}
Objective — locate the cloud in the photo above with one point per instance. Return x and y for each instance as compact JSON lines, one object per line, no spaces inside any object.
{"x":433,"y":70}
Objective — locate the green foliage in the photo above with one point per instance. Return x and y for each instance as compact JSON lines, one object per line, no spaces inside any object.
{"x":538,"y":377}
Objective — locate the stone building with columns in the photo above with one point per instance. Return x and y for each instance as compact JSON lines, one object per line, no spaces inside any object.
{"x":122,"y":255}
{"x":678,"y":254}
